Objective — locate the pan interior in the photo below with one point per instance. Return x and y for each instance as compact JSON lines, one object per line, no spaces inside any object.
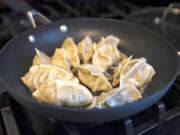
{"x":17,"y":56}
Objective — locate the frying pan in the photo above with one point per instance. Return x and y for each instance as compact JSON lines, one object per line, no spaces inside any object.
{"x":17,"y":55}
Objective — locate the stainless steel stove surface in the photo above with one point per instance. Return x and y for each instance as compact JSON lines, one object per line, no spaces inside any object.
{"x":163,"y":118}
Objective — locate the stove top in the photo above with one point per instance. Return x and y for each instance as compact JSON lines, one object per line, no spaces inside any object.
{"x":162,"y":118}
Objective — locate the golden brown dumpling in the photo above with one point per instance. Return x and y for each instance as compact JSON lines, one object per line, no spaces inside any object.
{"x":124,"y":95}
{"x":41,"y":58}
{"x":116,"y":75}
{"x":102,"y":62}
{"x":60,"y":59}
{"x":106,"y":53}
{"x":119,"y":70}
{"x":122,"y":55}
{"x":109,"y":40}
{"x":124,"y":67}
{"x":100,"y":101}
{"x":63,"y":93}
{"x":75,"y":79}
{"x":141,"y":73}
{"x":104,"y":57}
{"x":110,"y":51}
{"x":41,"y":73}
{"x":115,"y":97}
{"x":72,"y":52}
{"x":85,"y":49}
{"x":92,"y":78}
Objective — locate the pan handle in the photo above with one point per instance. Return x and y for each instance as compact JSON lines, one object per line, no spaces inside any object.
{"x":23,"y":7}
{"x":31,"y":14}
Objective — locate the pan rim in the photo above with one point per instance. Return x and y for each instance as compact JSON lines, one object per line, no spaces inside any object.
{"x":49,"y":106}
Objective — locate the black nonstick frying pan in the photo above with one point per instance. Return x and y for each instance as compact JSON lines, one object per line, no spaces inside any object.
{"x":16,"y":58}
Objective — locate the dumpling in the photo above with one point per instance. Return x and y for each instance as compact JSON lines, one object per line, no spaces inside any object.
{"x":109,"y":40}
{"x":124,"y":95}
{"x":75,"y":79}
{"x":41,"y":58}
{"x":99,"y":44}
{"x":116,"y":75}
{"x":102,"y":62}
{"x":106,"y":53}
{"x":63,"y":93}
{"x":85,"y":49}
{"x":141,"y":73}
{"x":105,"y":56}
{"x":124,"y":67}
{"x":131,"y":62}
{"x":110,"y":51}
{"x":92,"y":78}
{"x":41,"y":73}
{"x":60,"y":59}
{"x":122,"y":55}
{"x":100,"y":101}
{"x":72,"y":52}
{"x":117,"y":96}
{"x":119,"y":70}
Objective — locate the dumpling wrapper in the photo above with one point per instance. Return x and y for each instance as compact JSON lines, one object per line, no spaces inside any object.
{"x":60,"y":59}
{"x":75,"y":79}
{"x":63,"y":93}
{"x":72,"y":51}
{"x":42,"y":73}
{"x":124,"y":95}
{"x":124,"y":67}
{"x":93,"y":79}
{"x":110,"y":51}
{"x":117,"y":96}
{"x":140,"y":74}
{"x":109,"y":40}
{"x":99,"y":101}
{"x":85,"y":49}
{"x":41,"y":58}
{"x":102,"y":62}
{"x":122,"y":55}
{"x":106,"y":54}
{"x":119,"y":70}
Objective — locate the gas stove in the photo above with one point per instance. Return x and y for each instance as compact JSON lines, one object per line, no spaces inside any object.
{"x":162,"y":118}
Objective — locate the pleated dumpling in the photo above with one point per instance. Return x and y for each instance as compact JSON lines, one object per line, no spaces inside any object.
{"x":106,"y":53}
{"x":102,"y":62}
{"x":63,"y":93}
{"x":117,"y":96}
{"x":60,"y":59}
{"x":85,"y":49}
{"x":110,"y":51}
{"x":123,"y":68}
{"x":140,"y":74}
{"x":109,"y":40}
{"x":92,"y":78}
{"x":41,"y":58}
{"x":119,"y":70}
{"x":100,"y":101}
{"x":72,"y":52}
{"x":42,"y":73}
{"x":124,"y":95}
